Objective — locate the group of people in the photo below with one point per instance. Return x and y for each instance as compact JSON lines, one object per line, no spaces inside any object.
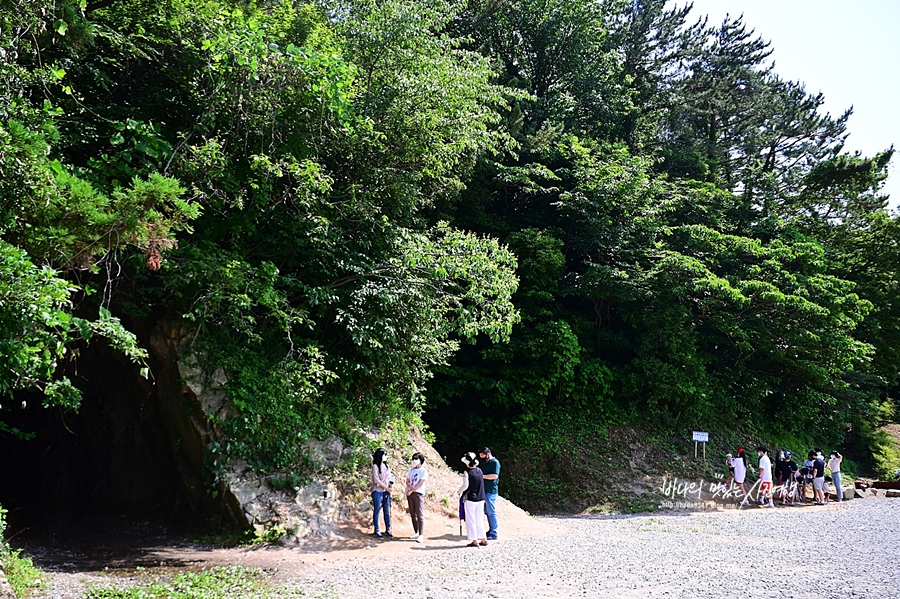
{"x":786,"y":477}
{"x":478,"y":493}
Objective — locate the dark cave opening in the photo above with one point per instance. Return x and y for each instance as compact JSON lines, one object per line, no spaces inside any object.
{"x":117,"y":456}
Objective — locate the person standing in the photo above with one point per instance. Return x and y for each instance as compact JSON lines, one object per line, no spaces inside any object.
{"x":807,"y":479}
{"x":740,"y":473}
{"x":765,"y":477}
{"x":790,"y":486}
{"x":818,"y":474}
{"x":491,"y":468}
{"x":729,"y":463}
{"x":834,"y":464}
{"x":472,"y":491}
{"x":381,"y":492}
{"x":782,"y":475}
{"x":415,"y":495}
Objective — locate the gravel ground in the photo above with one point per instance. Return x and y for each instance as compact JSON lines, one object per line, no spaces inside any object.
{"x":840,"y":550}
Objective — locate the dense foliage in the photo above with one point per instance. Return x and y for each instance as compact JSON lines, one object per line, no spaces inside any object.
{"x":681,"y":222}
{"x":529,"y":219}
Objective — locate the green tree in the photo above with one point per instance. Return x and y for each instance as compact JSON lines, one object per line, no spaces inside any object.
{"x":315,"y":145}
{"x":49,"y":216}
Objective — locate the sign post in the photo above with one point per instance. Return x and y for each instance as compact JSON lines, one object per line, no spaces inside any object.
{"x":700,"y":437}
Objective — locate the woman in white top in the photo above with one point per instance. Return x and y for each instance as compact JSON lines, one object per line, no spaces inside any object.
{"x":740,"y":473}
{"x":415,"y":495}
{"x":381,"y":492}
{"x":834,"y":464}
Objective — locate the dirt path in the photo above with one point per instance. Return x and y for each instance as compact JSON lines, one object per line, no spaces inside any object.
{"x":100,"y":551}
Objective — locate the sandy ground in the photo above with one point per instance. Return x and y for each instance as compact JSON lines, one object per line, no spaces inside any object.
{"x":92,"y":552}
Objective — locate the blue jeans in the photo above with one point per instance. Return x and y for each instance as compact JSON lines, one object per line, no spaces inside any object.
{"x":836,"y":480}
{"x":381,"y":500}
{"x":490,"y":508}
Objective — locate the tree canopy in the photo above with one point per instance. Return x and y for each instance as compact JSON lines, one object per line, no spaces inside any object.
{"x":552,"y":214}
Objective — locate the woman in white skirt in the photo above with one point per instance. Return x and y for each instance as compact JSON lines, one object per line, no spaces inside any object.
{"x":472,"y":492}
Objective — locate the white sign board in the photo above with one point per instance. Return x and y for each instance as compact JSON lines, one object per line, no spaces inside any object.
{"x":701,"y":437}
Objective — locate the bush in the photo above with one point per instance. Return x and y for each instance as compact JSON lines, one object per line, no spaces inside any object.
{"x":231,"y":582}
{"x":23,"y":576}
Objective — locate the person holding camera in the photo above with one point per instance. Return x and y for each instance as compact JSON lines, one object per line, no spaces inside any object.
{"x":834,"y":464}
{"x":382,"y":482}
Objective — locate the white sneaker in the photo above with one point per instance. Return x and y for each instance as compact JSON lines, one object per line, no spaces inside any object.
{"x":414,"y":536}
{"x":745,"y":502}
{"x":770,"y":504}
{"x":420,"y":539}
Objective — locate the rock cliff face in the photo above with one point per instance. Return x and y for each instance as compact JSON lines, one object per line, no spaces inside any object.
{"x":187,"y":397}
{"x":139,"y":447}
{"x":193,"y":393}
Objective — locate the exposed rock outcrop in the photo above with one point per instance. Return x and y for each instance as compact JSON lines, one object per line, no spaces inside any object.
{"x":193,"y":392}
{"x":6,"y":591}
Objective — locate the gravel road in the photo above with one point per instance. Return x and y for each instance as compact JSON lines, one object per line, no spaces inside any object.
{"x":842,"y":550}
{"x":839,"y":550}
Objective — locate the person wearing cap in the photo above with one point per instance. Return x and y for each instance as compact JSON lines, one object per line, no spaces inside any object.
{"x":765,"y":477}
{"x":472,"y":492}
{"x":790,"y":485}
{"x":818,"y":474}
{"x":834,"y":464}
{"x":490,"y":466}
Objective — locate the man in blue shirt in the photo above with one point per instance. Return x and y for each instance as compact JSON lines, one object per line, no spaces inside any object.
{"x":490,"y":466}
